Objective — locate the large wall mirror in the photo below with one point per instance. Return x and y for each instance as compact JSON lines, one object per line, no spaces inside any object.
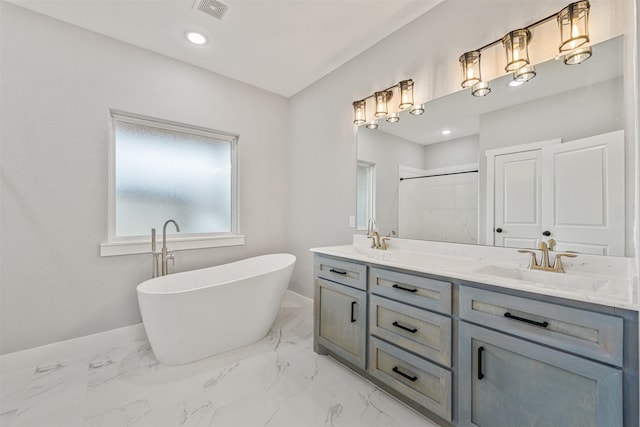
{"x":543,"y":161}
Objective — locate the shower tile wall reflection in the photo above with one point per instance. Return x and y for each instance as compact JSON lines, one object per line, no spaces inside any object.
{"x":279,"y":381}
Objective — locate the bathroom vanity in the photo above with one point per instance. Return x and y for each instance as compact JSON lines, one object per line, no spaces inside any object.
{"x":470,"y":337}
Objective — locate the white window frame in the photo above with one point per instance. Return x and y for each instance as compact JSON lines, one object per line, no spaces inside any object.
{"x":137,"y":245}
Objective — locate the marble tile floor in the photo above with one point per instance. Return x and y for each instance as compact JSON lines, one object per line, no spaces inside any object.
{"x":277,"y":382}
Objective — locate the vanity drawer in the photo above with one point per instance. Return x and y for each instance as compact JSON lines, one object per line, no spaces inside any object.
{"x":415,"y":290}
{"x":345,"y":272}
{"x":422,"y":332}
{"x":582,"y":332}
{"x":421,"y":381}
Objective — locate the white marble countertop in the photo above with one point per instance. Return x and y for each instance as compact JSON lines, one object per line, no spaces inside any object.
{"x":597,"y":280}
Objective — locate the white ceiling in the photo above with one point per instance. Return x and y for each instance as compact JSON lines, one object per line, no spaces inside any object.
{"x":278,"y":45}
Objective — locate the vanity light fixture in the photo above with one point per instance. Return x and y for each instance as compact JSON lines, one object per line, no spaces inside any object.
{"x":381,"y":102}
{"x":578,"y":56}
{"x":417,"y":109}
{"x":481,"y":89}
{"x":403,"y":90}
{"x":406,"y":94}
{"x":195,"y":37}
{"x":470,"y":63}
{"x":516,"y":45}
{"x":393,"y":118}
{"x":573,"y":21}
{"x":523,"y":75}
{"x":359,"y":112}
{"x":373,"y":124}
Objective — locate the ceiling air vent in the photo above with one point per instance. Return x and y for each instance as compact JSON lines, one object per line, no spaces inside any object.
{"x":212,"y":7}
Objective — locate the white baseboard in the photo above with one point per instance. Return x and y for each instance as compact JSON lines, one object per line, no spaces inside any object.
{"x":297,"y":298}
{"x":76,"y":347}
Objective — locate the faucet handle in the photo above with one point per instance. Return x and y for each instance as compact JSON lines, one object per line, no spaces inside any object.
{"x":557,"y":266}
{"x":533,"y":262}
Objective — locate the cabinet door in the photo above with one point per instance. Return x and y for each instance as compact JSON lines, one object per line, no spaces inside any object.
{"x":505,"y":381}
{"x":341,"y":323}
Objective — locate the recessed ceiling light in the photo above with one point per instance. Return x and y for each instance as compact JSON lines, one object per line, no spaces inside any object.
{"x":514,"y":83}
{"x":445,"y":131}
{"x":196,"y":38}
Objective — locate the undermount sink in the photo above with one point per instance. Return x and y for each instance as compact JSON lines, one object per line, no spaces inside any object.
{"x":547,"y":279}
{"x":372,"y":252}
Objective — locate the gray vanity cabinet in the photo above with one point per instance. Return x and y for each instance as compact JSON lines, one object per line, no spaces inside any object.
{"x":467,"y":354}
{"x":510,"y":376}
{"x":508,"y":382}
{"x":341,"y":310}
{"x":410,"y":328}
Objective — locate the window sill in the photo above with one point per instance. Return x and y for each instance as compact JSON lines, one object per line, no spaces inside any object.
{"x":131,"y":247}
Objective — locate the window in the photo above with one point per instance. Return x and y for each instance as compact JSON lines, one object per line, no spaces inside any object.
{"x":162,"y":170}
{"x":365,"y":208}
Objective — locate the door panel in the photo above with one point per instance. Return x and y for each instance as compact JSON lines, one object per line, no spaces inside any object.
{"x":517,"y":209}
{"x":583,"y":194}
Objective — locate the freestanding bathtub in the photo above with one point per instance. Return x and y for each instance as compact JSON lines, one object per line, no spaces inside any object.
{"x":196,"y":314}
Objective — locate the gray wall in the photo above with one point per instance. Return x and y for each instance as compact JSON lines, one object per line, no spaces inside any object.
{"x":58,"y":84}
{"x":459,"y":151}
{"x":388,"y":152}
{"x":322,"y":141}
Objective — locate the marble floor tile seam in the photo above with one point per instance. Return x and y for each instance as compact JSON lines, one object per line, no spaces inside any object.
{"x":280,"y":376}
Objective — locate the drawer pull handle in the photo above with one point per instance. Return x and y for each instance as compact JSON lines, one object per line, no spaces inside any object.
{"x":522,"y":319}
{"x":399,"y":372}
{"x":333,"y":270}
{"x":353,"y":306}
{"x":480,"y":374}
{"x":395,"y":285}
{"x":398,"y":325}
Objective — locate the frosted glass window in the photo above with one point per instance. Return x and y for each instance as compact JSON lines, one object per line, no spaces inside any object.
{"x":164,"y":171}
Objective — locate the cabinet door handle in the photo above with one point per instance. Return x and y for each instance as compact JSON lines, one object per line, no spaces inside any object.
{"x":353,"y":306}
{"x":522,"y":319}
{"x":402,"y":374}
{"x":333,"y":270}
{"x":395,"y":285}
{"x":480,"y":374}
{"x":398,"y":325}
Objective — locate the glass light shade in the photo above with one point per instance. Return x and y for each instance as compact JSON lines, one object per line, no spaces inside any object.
{"x":524,"y":74}
{"x":406,"y":94}
{"x":359,"y":113}
{"x":381,"y":104}
{"x":577,"y":56}
{"x":470,"y":63}
{"x":574,"y":25}
{"x":417,"y":109}
{"x":373,"y":124}
{"x":393,"y":118}
{"x":481,"y":89}
{"x":516,"y":45}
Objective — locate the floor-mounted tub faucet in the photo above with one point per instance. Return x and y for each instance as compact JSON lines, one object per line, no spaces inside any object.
{"x":166,"y":256}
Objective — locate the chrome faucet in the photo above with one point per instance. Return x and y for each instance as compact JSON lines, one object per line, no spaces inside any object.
{"x":166,"y":256}
{"x":545,"y":266}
